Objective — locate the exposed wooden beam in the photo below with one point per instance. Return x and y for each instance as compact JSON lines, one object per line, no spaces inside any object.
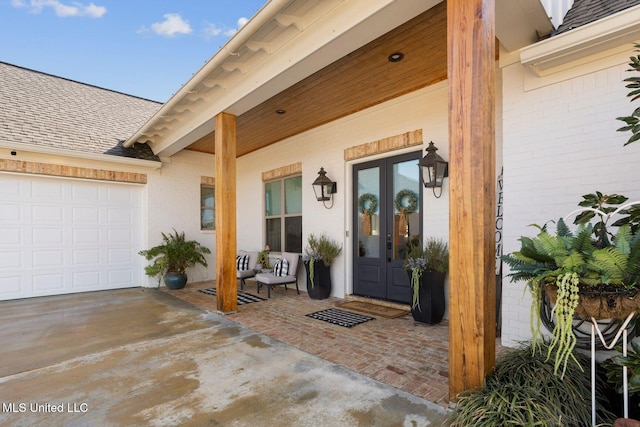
{"x":225,"y":192}
{"x":471,"y":73}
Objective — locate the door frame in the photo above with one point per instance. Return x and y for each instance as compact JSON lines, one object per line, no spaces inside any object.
{"x":351,"y":207}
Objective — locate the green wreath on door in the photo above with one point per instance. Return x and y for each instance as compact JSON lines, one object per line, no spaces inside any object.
{"x":367,"y":205}
{"x":410,"y":207}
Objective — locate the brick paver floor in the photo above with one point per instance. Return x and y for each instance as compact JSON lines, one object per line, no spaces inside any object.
{"x":400,"y":352}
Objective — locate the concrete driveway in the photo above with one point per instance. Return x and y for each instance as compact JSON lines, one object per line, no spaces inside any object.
{"x":143,"y":357}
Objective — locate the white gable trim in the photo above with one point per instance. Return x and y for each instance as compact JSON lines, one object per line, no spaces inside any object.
{"x":573,"y":47}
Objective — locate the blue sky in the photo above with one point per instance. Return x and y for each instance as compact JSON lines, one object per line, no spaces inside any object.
{"x":147,"y":48}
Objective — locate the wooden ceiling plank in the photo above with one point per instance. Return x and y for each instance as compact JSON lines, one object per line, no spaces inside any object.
{"x":359,"y":80}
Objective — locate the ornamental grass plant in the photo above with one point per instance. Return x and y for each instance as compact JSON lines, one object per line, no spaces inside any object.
{"x":523,"y":391}
{"x":433,"y":256}
{"x":320,"y":248}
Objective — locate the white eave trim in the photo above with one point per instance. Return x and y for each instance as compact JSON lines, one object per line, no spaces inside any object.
{"x":268,"y":12}
{"x":62,"y":152}
{"x":566,"y":50}
{"x":335,"y":29}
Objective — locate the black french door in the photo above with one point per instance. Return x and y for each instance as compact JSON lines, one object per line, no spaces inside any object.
{"x":388,"y":199}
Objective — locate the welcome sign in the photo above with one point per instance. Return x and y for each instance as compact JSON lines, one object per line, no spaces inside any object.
{"x":499,"y":213}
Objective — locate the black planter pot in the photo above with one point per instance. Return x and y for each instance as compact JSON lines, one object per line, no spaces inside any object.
{"x":431,"y":298}
{"x":175,"y":280}
{"x":321,"y":286}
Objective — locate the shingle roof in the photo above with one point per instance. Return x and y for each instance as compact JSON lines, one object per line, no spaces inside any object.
{"x":49,"y":111}
{"x":585,"y":11}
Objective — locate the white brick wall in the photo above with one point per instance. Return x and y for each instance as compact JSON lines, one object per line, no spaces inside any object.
{"x":324,"y":146}
{"x":173,"y":195}
{"x":560,"y":142}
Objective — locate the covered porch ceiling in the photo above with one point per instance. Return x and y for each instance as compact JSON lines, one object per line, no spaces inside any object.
{"x":362,"y":78}
{"x":296,"y":65}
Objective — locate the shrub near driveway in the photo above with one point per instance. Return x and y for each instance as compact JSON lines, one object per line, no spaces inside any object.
{"x":523,"y":391}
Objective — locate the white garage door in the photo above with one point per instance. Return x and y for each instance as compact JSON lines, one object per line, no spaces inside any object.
{"x":60,"y":236}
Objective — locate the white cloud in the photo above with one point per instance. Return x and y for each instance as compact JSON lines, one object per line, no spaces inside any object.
{"x":211,"y":30}
{"x":241,"y":22}
{"x":95,"y":11}
{"x":173,"y":24}
{"x":229,"y":33}
{"x":62,"y":10}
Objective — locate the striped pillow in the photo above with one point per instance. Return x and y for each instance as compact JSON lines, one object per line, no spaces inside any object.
{"x":242,"y":262}
{"x":281,"y":267}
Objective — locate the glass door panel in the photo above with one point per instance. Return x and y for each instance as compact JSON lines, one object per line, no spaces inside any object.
{"x":406,"y":207}
{"x":404,"y":224}
{"x":369,"y":250}
{"x":369,"y":212}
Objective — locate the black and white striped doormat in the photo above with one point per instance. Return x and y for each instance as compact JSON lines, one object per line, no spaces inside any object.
{"x":243,"y":298}
{"x":340,"y":317}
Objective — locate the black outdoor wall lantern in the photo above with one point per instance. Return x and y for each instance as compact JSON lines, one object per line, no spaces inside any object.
{"x":324,"y":188}
{"x":434,"y":169}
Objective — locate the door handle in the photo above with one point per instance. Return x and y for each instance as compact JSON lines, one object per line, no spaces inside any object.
{"x":389,"y":247}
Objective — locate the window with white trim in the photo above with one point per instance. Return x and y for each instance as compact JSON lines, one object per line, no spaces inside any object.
{"x":283,"y":214}
{"x":207,"y":207}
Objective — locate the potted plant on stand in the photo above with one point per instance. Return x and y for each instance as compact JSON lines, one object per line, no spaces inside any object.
{"x":263,"y":260}
{"x":319,"y":255}
{"x":172,"y":258}
{"x":427,"y":268}
{"x":591,"y":272}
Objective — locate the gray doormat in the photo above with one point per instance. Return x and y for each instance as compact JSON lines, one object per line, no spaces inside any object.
{"x":243,"y":298}
{"x":340,"y":317}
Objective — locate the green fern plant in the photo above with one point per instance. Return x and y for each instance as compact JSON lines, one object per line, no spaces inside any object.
{"x":174,"y":255}
{"x":590,"y":259}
